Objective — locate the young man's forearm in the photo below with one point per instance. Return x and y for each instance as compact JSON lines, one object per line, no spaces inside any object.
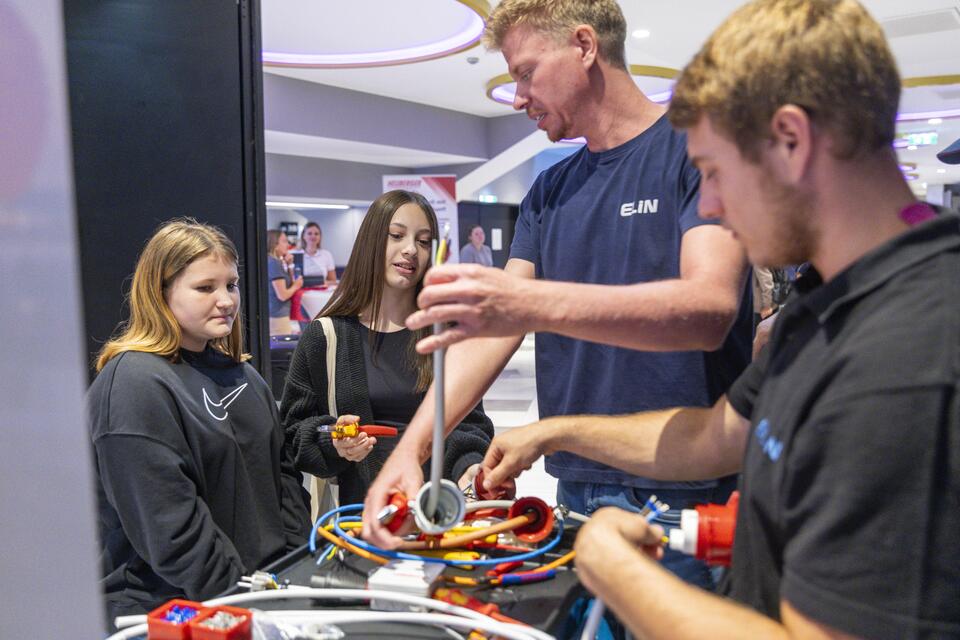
{"x":667,"y":607}
{"x":670,"y":445}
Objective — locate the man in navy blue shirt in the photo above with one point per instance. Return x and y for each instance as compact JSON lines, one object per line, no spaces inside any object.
{"x":608,"y":249}
{"x":846,"y":429}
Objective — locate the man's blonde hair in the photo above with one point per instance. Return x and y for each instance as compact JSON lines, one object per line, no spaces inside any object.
{"x":152,"y":326}
{"x":558,"y":18}
{"x":829,"y":57}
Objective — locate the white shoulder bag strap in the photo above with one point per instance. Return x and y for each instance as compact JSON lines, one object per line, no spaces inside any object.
{"x":322,"y":492}
{"x":331,"y":336}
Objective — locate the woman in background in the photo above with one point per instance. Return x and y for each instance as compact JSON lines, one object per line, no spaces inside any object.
{"x":380,"y":379}
{"x":316,"y":261}
{"x":475,"y":250}
{"x":282,"y":283}
{"x":194,"y":489}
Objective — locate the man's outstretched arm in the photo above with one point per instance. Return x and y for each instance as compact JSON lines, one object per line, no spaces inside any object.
{"x":694,"y":311}
{"x":470,"y":369}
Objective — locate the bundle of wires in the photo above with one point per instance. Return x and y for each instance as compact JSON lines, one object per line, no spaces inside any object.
{"x":381,"y":556}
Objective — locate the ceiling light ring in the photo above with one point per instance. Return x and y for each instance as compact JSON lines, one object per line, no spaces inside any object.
{"x":930,"y":81}
{"x":480,"y":7}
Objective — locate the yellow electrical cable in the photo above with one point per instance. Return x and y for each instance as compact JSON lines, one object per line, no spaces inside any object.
{"x":458,"y":541}
{"x":340,"y":542}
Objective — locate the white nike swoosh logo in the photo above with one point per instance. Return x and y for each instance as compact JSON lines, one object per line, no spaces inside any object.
{"x":224,"y":403}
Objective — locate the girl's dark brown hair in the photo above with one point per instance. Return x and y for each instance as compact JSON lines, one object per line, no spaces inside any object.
{"x":363,"y":280}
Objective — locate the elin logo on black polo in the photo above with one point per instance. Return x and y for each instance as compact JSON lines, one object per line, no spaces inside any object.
{"x":627,"y":209}
{"x":771,"y":446}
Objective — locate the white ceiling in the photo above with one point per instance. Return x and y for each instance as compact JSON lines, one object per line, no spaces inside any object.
{"x":926,"y":43}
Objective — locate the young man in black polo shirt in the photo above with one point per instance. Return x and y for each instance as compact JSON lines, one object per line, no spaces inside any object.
{"x":847,"y":428}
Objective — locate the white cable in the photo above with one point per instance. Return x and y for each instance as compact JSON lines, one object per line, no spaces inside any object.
{"x":501,"y":629}
{"x":132,"y":632}
{"x":506,"y":504}
{"x":489,"y":504}
{"x":579,"y":517}
{"x":122,"y":622}
{"x":593,"y":620}
{"x":293,"y":592}
{"x":359,"y":594}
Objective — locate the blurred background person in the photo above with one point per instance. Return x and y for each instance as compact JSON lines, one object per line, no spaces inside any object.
{"x":475,"y":251}
{"x":317,"y":262}
{"x":763,"y":306}
{"x":283,"y":284}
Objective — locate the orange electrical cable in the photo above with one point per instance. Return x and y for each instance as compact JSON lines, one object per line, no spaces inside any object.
{"x":459,"y":541}
{"x":562,"y":560}
{"x":340,"y":542}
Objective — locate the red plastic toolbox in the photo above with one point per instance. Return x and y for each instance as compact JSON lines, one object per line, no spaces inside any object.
{"x":159,"y":627}
{"x":200,"y":629}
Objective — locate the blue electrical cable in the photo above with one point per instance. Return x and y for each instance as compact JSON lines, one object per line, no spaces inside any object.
{"x":399,"y":555}
{"x":323,"y":554}
{"x":324,"y":517}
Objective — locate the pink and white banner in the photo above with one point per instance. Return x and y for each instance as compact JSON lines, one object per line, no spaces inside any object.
{"x":441,"y":192}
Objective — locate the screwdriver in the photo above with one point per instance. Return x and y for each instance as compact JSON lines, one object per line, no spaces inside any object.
{"x":352,"y":430}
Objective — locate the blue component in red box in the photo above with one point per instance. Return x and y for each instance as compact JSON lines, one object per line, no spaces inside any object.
{"x":180,"y":615}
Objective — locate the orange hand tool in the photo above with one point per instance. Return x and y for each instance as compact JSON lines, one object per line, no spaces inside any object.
{"x":352,"y":430}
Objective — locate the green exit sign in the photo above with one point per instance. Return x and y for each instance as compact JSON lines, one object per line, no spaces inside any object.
{"x":920,"y":139}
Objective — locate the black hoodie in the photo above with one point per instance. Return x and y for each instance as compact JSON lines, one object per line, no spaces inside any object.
{"x":193,"y":486}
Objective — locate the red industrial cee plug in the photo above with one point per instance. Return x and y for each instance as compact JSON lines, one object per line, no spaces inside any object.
{"x":707,"y":531}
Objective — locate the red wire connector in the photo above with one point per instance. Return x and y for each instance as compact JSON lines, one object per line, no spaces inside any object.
{"x":542,"y":524}
{"x":497,"y":493}
{"x":461,"y":599}
{"x":707,"y":531}
{"x":504,"y":567}
{"x":396,"y":511}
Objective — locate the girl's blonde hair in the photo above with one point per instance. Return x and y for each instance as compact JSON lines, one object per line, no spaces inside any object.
{"x":152,"y":328}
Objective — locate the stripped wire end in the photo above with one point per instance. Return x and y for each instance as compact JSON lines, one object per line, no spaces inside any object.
{"x":653,"y":508}
{"x":260,"y":581}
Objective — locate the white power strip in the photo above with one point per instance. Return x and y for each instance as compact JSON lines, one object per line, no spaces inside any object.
{"x":411,"y":577}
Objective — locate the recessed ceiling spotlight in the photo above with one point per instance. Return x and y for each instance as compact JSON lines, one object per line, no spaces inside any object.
{"x":935,"y":121}
{"x":912,"y":147}
{"x":941,"y":170}
{"x":640,"y":34}
{"x":472,"y":59}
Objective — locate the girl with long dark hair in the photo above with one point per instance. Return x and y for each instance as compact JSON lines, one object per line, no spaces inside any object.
{"x":379,"y":378}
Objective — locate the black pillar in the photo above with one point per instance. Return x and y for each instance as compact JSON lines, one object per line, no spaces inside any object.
{"x":167,"y":120}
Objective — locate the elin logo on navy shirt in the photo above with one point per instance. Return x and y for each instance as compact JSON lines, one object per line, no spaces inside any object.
{"x":627,"y":209}
{"x":769,"y":443}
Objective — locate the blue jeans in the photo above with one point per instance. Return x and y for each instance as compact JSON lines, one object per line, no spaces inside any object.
{"x":586,"y":497}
